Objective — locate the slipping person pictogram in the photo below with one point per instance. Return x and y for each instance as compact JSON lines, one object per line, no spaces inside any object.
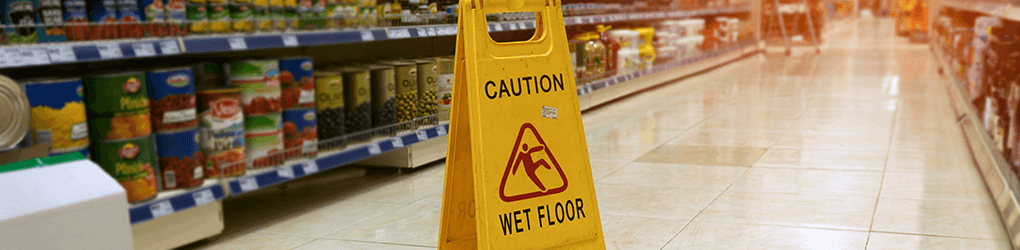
{"x":523,"y":156}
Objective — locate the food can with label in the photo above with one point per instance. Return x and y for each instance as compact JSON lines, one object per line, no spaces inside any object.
{"x":76,"y":20}
{"x":241,"y":16}
{"x":263,"y":140}
{"x":277,"y":18}
{"x":154,"y":15}
{"x":103,"y":19}
{"x":261,"y":18}
{"x":51,"y":18}
{"x":58,"y":113}
{"x":221,"y":130}
{"x":130,"y":18}
{"x":20,"y":18}
{"x":176,"y":12}
{"x":198,"y":15}
{"x":428,"y":104}
{"x":172,"y":98}
{"x":444,"y":82}
{"x":208,"y":74}
{"x":329,"y":102}
{"x":297,"y":83}
{"x":406,"y":77}
{"x":384,"y":106}
{"x":219,"y":17}
{"x":259,"y":81}
{"x":300,"y":133}
{"x":180,"y":159}
{"x":132,"y":163}
{"x":117,"y":106}
{"x":14,"y":108}
{"x":358,"y":99}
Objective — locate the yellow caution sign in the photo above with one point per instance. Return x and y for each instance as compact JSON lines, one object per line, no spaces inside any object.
{"x":517,"y":173}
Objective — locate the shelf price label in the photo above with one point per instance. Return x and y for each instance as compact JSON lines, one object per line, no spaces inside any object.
{"x":109,"y":51}
{"x":12,"y":57}
{"x":431,"y":31}
{"x":248,"y":184}
{"x":366,"y":35}
{"x":203,"y":197}
{"x":61,"y":54}
{"x":160,"y":209}
{"x":498,"y":27}
{"x":397,"y":142}
{"x":290,"y":41}
{"x":285,"y":172}
{"x":513,"y":26}
{"x":398,"y":33}
{"x":373,"y":149}
{"x":237,"y":43}
{"x":441,"y":130}
{"x":169,"y":47}
{"x":144,"y":49}
{"x":309,"y":167}
{"x":421,"y":135}
{"x":422,"y":32}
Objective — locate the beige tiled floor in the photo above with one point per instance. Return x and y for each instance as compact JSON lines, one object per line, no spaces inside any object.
{"x":855,"y":148}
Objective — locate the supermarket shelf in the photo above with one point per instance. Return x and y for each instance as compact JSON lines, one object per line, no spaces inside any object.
{"x":273,"y":176}
{"x":1002,"y":183}
{"x":74,"y":52}
{"x":174,"y":201}
{"x":1003,"y":9}
{"x":608,"y":82}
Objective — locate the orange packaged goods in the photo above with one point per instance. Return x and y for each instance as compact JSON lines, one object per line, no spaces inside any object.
{"x":221,"y":131}
{"x":131,"y":162}
{"x":117,"y":105}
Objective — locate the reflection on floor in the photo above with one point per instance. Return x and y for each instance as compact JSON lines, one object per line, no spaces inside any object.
{"x":855,"y":148}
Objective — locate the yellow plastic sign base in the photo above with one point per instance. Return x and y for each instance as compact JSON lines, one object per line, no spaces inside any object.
{"x":517,"y":173}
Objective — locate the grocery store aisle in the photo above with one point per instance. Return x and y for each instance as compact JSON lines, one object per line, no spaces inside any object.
{"x":855,"y":148}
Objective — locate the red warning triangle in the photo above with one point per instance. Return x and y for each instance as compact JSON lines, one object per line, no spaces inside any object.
{"x":523,"y":164}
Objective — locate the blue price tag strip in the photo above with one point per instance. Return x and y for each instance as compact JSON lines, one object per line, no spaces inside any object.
{"x":144,"y":212}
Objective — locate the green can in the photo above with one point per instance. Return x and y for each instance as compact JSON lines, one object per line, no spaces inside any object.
{"x":197,"y":14}
{"x":242,"y":17}
{"x":131,"y":162}
{"x":428,"y":104}
{"x":290,"y":16}
{"x":405,"y":75}
{"x":384,"y":89}
{"x":279,"y":20}
{"x":116,"y":94}
{"x":358,"y":99}
{"x":219,"y":18}
{"x":263,"y":148}
{"x":263,"y":122}
{"x":259,"y":81}
{"x":262,"y":19}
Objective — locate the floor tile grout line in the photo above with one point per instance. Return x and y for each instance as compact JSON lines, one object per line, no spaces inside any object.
{"x":878,"y":198}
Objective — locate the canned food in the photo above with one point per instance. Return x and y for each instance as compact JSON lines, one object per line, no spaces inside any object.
{"x":445,"y":83}
{"x":406,"y":78}
{"x":177,"y":16}
{"x":76,"y":17}
{"x":180,"y":159}
{"x":262,"y":18}
{"x":277,"y":18}
{"x":290,"y":18}
{"x":241,"y":16}
{"x":208,"y":74}
{"x":329,"y":102}
{"x":172,"y":98}
{"x":103,"y":17}
{"x":259,"y":82}
{"x":358,"y":96}
{"x":219,"y":17}
{"x":263,"y":148}
{"x":119,"y":127}
{"x":21,"y":13}
{"x":263,"y":122}
{"x":198,"y":15}
{"x":130,"y":162}
{"x":384,"y":106}
{"x":15,"y":107}
{"x":116,"y":94}
{"x":427,"y":88}
{"x":51,"y":17}
{"x":130,"y":21}
{"x":297,"y":83}
{"x":58,"y":113}
{"x":154,"y":14}
{"x":221,"y":131}
{"x":300,"y":134}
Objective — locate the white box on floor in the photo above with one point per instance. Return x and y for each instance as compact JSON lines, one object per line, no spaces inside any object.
{"x":73,"y":205}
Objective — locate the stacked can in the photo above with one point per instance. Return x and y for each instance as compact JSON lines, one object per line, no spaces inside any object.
{"x":120,"y":131}
{"x":51,"y":19}
{"x":76,"y":19}
{"x":174,"y":119}
{"x":427,"y":89}
{"x":20,"y":17}
{"x":58,"y":114}
{"x":260,"y":15}
{"x":197,"y":14}
{"x":406,"y":77}
{"x":208,"y":74}
{"x":218,"y":13}
{"x":276,"y":15}
{"x":103,"y":17}
{"x":130,"y":18}
{"x":17,"y":118}
{"x":176,"y":15}
{"x":358,"y":100}
{"x":259,"y":82}
{"x":384,"y":104}
{"x":290,"y":14}
{"x":444,"y":82}
{"x":241,"y":15}
{"x":300,"y":133}
{"x":329,"y":102}
{"x":221,"y":130}
{"x":154,"y":14}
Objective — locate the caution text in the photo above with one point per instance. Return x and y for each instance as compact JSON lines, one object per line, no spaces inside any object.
{"x":545,"y":216}
{"x":526,"y":85}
